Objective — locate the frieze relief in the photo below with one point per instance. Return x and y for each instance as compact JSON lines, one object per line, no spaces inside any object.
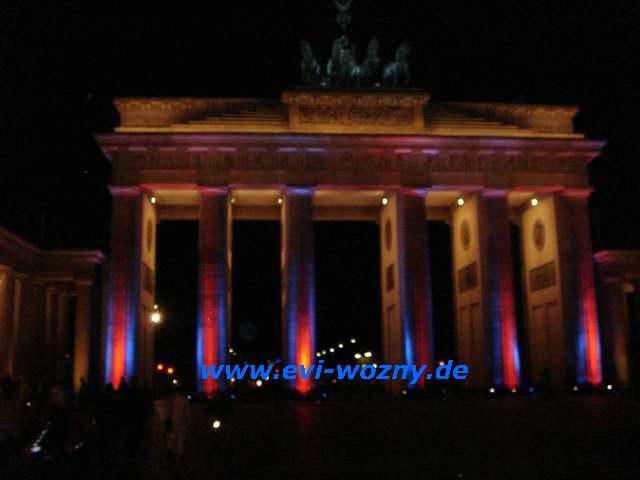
{"x":345,"y":160}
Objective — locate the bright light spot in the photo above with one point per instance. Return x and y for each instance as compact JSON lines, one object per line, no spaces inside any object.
{"x":575,"y":388}
{"x":534,"y":202}
{"x":233,"y":379}
{"x":36,"y":449}
{"x":175,"y":382}
{"x":385,"y":200}
{"x":609,"y":387}
{"x":216,"y":424}
{"x":156,"y":306}
{"x":324,"y":352}
{"x":353,"y":340}
{"x":156,"y":317}
{"x":280,"y":201}
{"x":404,"y":392}
{"x":332,"y":349}
{"x":231,"y":350}
{"x":492,"y":390}
{"x":340,"y":345}
{"x":367,"y":354}
{"x":318,"y":354}
{"x":233,"y":199}
{"x":189,"y":397}
{"x":154,"y":200}
{"x":460,"y":201}
{"x":160,"y":367}
{"x":357,"y":356}
{"x":170,"y":370}
{"x":258,"y":383}
{"x":513,"y":390}
{"x":28,"y":404}
{"x":375,"y":365}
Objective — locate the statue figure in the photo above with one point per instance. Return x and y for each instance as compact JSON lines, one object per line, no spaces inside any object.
{"x":310,"y":68}
{"x":370,"y":72}
{"x":343,"y":18}
{"x":397,"y":73}
{"x":341,"y":67}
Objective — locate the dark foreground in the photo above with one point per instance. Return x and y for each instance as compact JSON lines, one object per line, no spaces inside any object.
{"x":572,"y":437}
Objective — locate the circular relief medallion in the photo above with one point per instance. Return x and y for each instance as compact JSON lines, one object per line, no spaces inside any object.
{"x":539,"y":234}
{"x":388,"y":235}
{"x":149,"y":234}
{"x":465,"y":234}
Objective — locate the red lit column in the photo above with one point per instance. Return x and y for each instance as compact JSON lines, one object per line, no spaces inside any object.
{"x":416,"y":284}
{"x":298,"y":281}
{"x":498,"y":288}
{"x":211,"y":348}
{"x":124,"y":284}
{"x":578,"y":289}
{"x":82,"y":333}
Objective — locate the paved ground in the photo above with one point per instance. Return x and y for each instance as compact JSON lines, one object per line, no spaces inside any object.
{"x":573,"y":437}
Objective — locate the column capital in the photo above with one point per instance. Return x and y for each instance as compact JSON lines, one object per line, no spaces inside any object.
{"x":577,"y":192}
{"x":129,"y":190}
{"x":495,"y":192}
{"x":212,"y":190}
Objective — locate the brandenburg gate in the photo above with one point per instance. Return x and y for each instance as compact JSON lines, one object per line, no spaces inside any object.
{"x":388,"y":156}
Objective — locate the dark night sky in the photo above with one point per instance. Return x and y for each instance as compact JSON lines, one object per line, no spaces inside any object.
{"x":61,"y":67}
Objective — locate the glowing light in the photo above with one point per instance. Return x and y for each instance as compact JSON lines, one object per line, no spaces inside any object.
{"x":531,"y":389}
{"x":514,"y":390}
{"x":368,"y":354}
{"x":233,"y":199}
{"x":233,"y":379}
{"x":216,"y":424}
{"x":170,"y":370}
{"x":160,"y":367}
{"x":353,"y":340}
{"x":375,"y":365}
{"x":28,"y":404}
{"x":492,"y":390}
{"x":357,"y":356}
{"x":385,"y":200}
{"x":258,"y":383}
{"x":324,"y":352}
{"x":441,"y":362}
{"x":175,"y":382}
{"x":534,"y":202}
{"x":575,"y":388}
{"x":280,"y":201}
{"x":609,"y":387}
{"x":460,"y":201}
{"x":404,"y":392}
{"x":332,"y":349}
{"x":318,"y":354}
{"x":156,"y":317}
{"x":340,"y":345}
{"x":156,"y":306}
{"x":231,"y":350}
{"x":154,"y":200}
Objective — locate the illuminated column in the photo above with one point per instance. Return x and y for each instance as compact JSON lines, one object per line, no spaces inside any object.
{"x":615,"y":331}
{"x":211,"y":347}
{"x":82,"y":333}
{"x":497,"y":287}
{"x":406,"y":289}
{"x":6,"y":320}
{"x":124,"y":284}
{"x":61,"y":334}
{"x":578,"y":289}
{"x":298,"y":281}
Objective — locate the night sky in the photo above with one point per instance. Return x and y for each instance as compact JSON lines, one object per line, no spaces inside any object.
{"x":61,"y":68}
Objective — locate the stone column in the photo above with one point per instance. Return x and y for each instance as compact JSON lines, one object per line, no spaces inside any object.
{"x":51,"y":327}
{"x":298,"y":281}
{"x":406,"y":282}
{"x":61,"y":335}
{"x":82,"y":333}
{"x":6,"y":320}
{"x":615,"y":331}
{"x":497,"y":288}
{"x":124,"y":284}
{"x":211,"y":347}
{"x":578,"y":289}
